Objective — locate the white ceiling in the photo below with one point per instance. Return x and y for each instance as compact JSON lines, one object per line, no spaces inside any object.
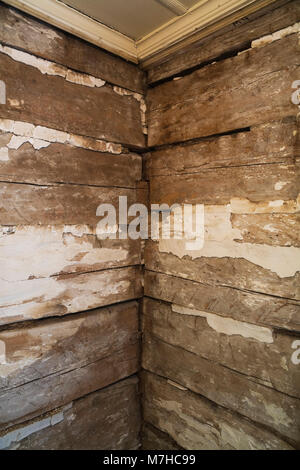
{"x":134,"y":18}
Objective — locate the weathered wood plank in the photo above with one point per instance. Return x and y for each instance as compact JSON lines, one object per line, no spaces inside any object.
{"x":61,"y":204}
{"x":228,"y":271}
{"x":221,"y":300}
{"x":264,"y":356}
{"x":274,"y":142}
{"x":24,"y":32}
{"x":257,"y":183}
{"x":108,"y":419}
{"x":48,"y":364}
{"x":154,"y":439}
{"x":69,"y":293}
{"x":234,"y":37}
{"x":232,"y":94}
{"x":31,"y":252}
{"x":63,"y":163}
{"x":197,"y":424}
{"x":102,"y":112}
{"x":225,"y":387}
{"x":268,"y":229}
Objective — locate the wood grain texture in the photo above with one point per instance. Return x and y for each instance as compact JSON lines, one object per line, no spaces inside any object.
{"x":257,"y":183}
{"x":59,"y":104}
{"x":108,"y":419}
{"x":249,"y":89}
{"x":225,"y":387}
{"x":53,"y":44}
{"x":227,"y":272}
{"x":48,"y":364}
{"x":63,"y":163}
{"x":68,"y":293}
{"x":61,"y":204}
{"x":263,"y":358}
{"x":239,"y":304}
{"x":274,"y":142}
{"x":234,"y":37}
{"x":34,"y":252}
{"x":195,"y":423}
{"x":154,"y":439}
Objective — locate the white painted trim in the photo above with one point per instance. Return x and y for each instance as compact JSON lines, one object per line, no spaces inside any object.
{"x":201,"y":15}
{"x":146,"y":50}
{"x":72,"y":21}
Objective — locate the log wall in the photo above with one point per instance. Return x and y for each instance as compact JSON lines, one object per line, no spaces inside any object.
{"x":222,"y":323}
{"x":71,"y":127}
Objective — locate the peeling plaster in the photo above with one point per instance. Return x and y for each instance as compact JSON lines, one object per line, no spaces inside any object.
{"x":245,"y":206}
{"x":4,"y":155}
{"x":295,"y":28}
{"x":35,"y":251}
{"x":228,"y":326}
{"x":42,"y":341}
{"x":13,"y":437}
{"x":50,"y":68}
{"x":220,"y":242}
{"x":140,"y":99}
{"x":39,"y":137}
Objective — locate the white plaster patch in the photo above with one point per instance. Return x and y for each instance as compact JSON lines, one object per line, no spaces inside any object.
{"x":295,"y":28}
{"x":4,"y":155}
{"x":17,"y":141}
{"x":39,"y":136}
{"x":46,"y":251}
{"x":50,"y":68}
{"x":244,"y":206}
{"x":84,"y":79}
{"x":19,"y":434}
{"x":228,"y":326}
{"x":2,"y":352}
{"x":220,"y":242}
{"x":279,"y":185}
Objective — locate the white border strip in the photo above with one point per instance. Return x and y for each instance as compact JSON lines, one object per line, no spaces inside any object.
{"x":204,"y":14}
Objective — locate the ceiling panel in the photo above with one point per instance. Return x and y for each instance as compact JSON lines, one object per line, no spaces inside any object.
{"x":135,"y":18}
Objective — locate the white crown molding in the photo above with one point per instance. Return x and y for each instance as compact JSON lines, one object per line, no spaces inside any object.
{"x":183,"y":40}
{"x":205,"y":17}
{"x":72,"y":21}
{"x":201,"y":15}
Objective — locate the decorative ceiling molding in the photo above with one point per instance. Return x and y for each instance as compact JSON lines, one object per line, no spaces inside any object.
{"x":174,"y":6}
{"x":204,"y":18}
{"x":215,"y":25}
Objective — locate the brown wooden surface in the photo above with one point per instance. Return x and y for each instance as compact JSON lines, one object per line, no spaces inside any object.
{"x":220,"y":185}
{"x":246,"y":90}
{"x":154,"y":439}
{"x":227,"y":272}
{"x":234,"y":37}
{"x":108,"y":419}
{"x":50,"y":363}
{"x":260,"y":361}
{"x":28,"y":204}
{"x":63,"y":163}
{"x":70,"y":293}
{"x":196,"y":423}
{"x":53,"y":44}
{"x":51,"y":101}
{"x":225,"y":387}
{"x":239,"y":304}
{"x":274,"y":142}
